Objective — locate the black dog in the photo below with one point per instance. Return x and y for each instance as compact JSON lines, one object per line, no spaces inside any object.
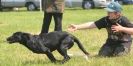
{"x":46,"y":43}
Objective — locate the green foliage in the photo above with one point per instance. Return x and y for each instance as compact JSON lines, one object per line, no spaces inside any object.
{"x":31,"y":22}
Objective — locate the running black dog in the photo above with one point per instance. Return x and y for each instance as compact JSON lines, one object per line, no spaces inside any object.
{"x":46,"y":43}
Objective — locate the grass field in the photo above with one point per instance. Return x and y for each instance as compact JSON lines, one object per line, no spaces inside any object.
{"x":31,"y":22}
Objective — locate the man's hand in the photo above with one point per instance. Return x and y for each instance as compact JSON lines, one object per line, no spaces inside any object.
{"x":72,"y":28}
{"x":117,"y":28}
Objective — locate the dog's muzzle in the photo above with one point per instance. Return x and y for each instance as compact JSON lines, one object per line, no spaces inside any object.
{"x":9,"y":40}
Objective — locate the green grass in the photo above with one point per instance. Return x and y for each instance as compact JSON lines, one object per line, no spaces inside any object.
{"x":93,"y":39}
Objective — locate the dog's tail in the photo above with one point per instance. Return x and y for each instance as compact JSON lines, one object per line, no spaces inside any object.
{"x":80,"y":45}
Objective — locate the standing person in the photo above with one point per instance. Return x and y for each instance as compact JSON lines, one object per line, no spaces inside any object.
{"x":119,"y":31}
{"x":53,"y":8}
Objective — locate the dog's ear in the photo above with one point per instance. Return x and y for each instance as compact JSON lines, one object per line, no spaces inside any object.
{"x":21,"y":35}
{"x":26,"y":35}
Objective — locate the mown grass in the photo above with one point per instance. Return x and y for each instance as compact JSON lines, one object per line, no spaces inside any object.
{"x":31,"y":22}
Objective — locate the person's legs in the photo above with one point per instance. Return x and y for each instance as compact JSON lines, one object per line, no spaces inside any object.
{"x":105,"y":50}
{"x":122,"y":49}
{"x":46,"y":22}
{"x":58,"y":21}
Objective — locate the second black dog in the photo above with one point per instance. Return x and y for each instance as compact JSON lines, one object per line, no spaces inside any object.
{"x":46,"y":43}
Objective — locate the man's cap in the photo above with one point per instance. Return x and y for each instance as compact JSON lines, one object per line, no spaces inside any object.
{"x":114,"y":7}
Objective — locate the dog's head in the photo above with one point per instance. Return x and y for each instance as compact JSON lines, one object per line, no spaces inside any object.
{"x":16,"y":37}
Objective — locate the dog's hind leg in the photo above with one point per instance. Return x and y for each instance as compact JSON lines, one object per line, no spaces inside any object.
{"x":47,"y":52}
{"x":66,"y":44}
{"x":50,"y":56}
{"x":63,"y":52}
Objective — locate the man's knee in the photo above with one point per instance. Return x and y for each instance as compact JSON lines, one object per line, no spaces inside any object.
{"x":105,"y":51}
{"x":120,"y":51}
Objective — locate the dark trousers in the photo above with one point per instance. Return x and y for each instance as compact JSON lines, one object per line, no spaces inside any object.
{"x":47,"y":20}
{"x":115,"y":49}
